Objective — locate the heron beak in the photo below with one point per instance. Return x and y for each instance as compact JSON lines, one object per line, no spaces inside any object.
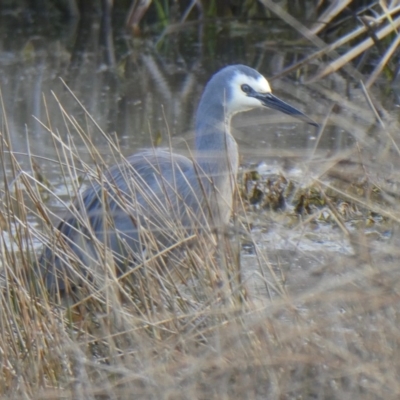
{"x":271,"y":101}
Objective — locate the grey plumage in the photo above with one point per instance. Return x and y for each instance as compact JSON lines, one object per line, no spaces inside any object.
{"x":156,"y":198}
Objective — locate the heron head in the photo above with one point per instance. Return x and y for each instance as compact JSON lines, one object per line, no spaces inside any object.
{"x":248,"y":89}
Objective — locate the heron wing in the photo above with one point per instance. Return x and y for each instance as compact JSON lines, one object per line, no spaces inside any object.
{"x":153,"y":198}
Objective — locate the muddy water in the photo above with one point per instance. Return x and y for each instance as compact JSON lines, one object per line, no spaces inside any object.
{"x":149,"y":85}
{"x":141,"y":90}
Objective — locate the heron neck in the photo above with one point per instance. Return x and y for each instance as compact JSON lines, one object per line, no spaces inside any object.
{"x":216,"y":149}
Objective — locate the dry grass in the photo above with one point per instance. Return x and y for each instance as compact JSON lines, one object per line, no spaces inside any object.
{"x":277,"y":324}
{"x":376,"y":29}
{"x":330,"y":331}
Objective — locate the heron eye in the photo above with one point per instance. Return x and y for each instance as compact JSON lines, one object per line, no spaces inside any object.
{"x":246,"y":88}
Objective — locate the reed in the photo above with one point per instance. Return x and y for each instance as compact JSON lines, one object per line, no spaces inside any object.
{"x":218,"y":323}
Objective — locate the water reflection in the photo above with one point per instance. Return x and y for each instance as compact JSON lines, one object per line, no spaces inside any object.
{"x":130,"y":87}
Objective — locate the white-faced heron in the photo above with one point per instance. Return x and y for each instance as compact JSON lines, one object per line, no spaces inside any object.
{"x":152,"y":200}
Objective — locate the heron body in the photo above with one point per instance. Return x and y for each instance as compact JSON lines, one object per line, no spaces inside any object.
{"x":156,"y":197}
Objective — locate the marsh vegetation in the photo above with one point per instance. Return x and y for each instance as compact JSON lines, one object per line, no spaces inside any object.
{"x":300,"y":297}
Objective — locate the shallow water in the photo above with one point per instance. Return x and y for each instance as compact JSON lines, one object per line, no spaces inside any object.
{"x":153,"y":86}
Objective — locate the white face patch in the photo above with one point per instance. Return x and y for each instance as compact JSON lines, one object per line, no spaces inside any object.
{"x":239,"y":101}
